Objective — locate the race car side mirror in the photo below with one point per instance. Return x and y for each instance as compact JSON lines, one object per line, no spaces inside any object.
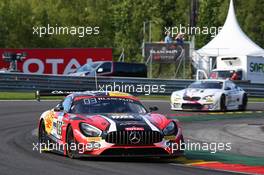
{"x":154,"y":108}
{"x":227,"y":88}
{"x":58,"y":108}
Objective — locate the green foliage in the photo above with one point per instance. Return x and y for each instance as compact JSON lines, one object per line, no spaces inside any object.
{"x":209,"y":12}
{"x":212,"y":13}
{"x":120,"y":21}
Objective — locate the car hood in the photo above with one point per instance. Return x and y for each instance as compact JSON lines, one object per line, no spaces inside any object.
{"x":193,"y":92}
{"x":125,"y":121}
{"x":128,"y":120}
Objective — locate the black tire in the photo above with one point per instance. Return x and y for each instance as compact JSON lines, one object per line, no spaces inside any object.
{"x":223,"y":103}
{"x":71,"y":140}
{"x":243,"y":106}
{"x":42,"y":135}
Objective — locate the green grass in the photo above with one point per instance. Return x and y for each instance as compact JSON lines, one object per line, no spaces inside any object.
{"x":16,"y":95}
{"x":256,"y":99}
{"x":24,"y":96}
{"x":158,"y":97}
{"x":31,"y":96}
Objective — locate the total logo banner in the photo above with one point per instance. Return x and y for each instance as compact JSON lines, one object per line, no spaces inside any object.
{"x":56,"y":61}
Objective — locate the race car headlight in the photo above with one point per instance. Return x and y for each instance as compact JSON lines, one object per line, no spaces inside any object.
{"x":171,"y":129}
{"x":90,"y":131}
{"x":209,"y":98}
{"x":176,"y":97}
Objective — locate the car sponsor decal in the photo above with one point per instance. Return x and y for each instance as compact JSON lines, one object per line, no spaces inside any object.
{"x":121,"y":121}
{"x":94,"y":139}
{"x":59,"y":124}
{"x":173,"y":137}
{"x":118,"y":94}
{"x":115,"y":98}
{"x":126,"y":123}
{"x":135,"y":129}
{"x":122,"y":117}
{"x":95,"y":100}
{"x":49,"y":121}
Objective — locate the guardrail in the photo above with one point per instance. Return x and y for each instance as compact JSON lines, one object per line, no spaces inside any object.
{"x":56,"y":83}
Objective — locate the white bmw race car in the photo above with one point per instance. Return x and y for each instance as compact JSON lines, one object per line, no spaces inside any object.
{"x":210,"y":95}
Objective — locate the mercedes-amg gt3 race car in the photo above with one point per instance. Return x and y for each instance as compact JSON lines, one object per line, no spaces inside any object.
{"x":108,"y":124}
{"x":210,"y":95}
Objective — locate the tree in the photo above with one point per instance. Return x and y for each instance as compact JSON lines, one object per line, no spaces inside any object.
{"x":120,"y":21}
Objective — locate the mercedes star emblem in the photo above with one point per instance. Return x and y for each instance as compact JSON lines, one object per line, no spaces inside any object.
{"x":134,"y":137}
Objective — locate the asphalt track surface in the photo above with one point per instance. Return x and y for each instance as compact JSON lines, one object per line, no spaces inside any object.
{"x":245,"y":134}
{"x":17,"y":121}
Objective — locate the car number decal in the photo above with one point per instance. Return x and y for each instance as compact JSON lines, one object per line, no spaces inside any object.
{"x":90,"y":101}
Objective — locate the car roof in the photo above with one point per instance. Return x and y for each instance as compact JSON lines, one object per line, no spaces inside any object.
{"x":219,"y":80}
{"x":103,"y":94}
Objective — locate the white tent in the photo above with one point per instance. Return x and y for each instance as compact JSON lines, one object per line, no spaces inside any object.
{"x":231,"y":40}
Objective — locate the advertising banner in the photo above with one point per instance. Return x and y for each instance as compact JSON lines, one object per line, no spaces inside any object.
{"x":56,"y":61}
{"x":255,"y":69}
{"x":166,"y":53}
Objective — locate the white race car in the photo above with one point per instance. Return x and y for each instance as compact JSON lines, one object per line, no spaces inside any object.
{"x":210,"y":95}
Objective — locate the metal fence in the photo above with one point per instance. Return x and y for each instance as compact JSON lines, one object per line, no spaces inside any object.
{"x":138,"y":86}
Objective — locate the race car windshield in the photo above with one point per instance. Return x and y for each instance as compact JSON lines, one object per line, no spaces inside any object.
{"x":107,"y":105}
{"x":206,"y":85}
{"x":87,"y":67}
{"x":221,"y":74}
